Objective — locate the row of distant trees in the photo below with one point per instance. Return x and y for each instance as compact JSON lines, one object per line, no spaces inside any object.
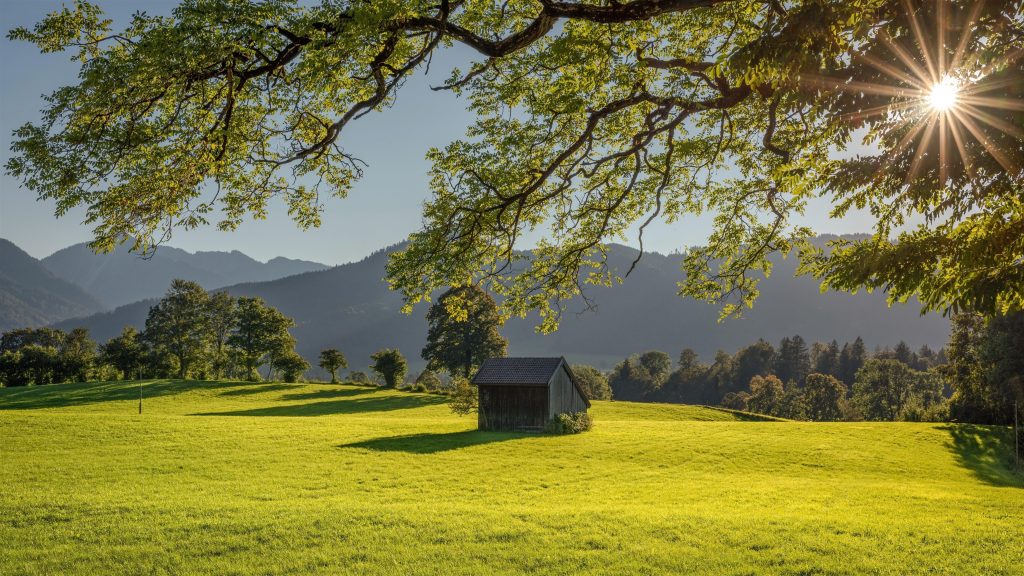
{"x":189,"y":333}
{"x":977,"y":378}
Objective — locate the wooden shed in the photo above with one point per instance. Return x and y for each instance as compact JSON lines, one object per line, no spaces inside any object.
{"x":525,"y":393}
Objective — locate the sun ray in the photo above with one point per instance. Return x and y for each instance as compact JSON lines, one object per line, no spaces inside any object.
{"x":922,"y":40}
{"x":943,"y":152}
{"x":991,"y":102}
{"x":965,"y":37}
{"x":893,"y":72}
{"x":980,"y":136}
{"x":961,"y":146}
{"x":919,"y":154}
{"x":994,"y":122}
{"x":905,"y":57}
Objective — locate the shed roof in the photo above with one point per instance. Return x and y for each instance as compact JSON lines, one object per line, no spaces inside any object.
{"x":530,"y":371}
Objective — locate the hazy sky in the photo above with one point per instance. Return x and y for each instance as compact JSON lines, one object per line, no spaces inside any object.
{"x":383,"y":208}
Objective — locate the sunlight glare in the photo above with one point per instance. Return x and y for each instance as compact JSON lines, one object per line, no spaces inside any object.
{"x":943,"y":95}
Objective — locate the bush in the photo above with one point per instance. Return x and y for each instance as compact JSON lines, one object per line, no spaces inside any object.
{"x":360,"y":378}
{"x":418,"y":388}
{"x":569,"y":423}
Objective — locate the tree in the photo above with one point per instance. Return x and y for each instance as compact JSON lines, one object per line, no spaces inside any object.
{"x":593,"y":119}
{"x":76,"y":356}
{"x":851,"y":359}
{"x":825,"y":397}
{"x":658,"y":365}
{"x":885,"y":389}
{"x":793,"y":362}
{"x":754,"y":360}
{"x":463,"y":331}
{"x":221,"y":310}
{"x":332,"y":360}
{"x":125,"y":352}
{"x":765,"y":395}
{"x":429,"y":381}
{"x":390,"y":365}
{"x":825,"y":358}
{"x":593,"y":383}
{"x":292,"y":365}
{"x":464,"y":399}
{"x":986,"y":367}
{"x":631,"y":379}
{"x":179,"y":324}
{"x":260,"y":334}
{"x":736,"y":401}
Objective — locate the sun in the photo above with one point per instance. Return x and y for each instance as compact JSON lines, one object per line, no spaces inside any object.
{"x":944,"y":94}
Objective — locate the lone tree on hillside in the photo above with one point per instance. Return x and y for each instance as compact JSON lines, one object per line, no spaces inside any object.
{"x":390,"y":365}
{"x":463,"y":331}
{"x":179,"y":324}
{"x":593,"y":120}
{"x":332,"y":360}
{"x":292,"y":365}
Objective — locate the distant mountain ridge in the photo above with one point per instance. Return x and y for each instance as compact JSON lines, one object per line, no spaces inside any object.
{"x":122,"y":277}
{"x":30,"y":295}
{"x":350,"y":307}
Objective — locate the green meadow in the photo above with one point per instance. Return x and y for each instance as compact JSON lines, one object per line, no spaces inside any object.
{"x":238,"y":478}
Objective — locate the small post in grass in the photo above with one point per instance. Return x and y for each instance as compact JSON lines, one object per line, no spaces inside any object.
{"x":1016,"y":436}
{"x":140,"y":396}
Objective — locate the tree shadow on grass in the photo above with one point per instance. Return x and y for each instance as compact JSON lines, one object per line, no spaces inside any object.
{"x":254,"y":388}
{"x":324,"y":394}
{"x":83,"y":393}
{"x":987,"y":451}
{"x":429,"y":443}
{"x":350,"y":405}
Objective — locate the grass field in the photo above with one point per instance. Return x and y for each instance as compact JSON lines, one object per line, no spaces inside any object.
{"x":231,"y":478}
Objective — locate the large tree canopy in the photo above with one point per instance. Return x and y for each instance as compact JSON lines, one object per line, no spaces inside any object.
{"x":593,"y":119}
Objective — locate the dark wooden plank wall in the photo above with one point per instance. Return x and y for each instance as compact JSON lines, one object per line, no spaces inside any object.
{"x":513,"y":407}
{"x":565,"y":398}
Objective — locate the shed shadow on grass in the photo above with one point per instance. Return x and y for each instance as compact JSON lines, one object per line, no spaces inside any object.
{"x":84,"y":393}
{"x":431,"y":443}
{"x":987,"y":451}
{"x":352,"y":402}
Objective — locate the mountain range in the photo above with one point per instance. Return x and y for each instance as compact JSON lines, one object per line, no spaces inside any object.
{"x":349,"y":307}
{"x":122,"y":277}
{"x":31,"y":295}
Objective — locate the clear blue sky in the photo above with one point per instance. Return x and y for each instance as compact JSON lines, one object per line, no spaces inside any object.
{"x":383,"y":208}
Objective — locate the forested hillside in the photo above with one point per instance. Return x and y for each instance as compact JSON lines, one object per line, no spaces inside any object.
{"x":349,"y":307}
{"x":31,"y":296}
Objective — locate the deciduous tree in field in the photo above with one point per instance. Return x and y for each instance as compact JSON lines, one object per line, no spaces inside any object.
{"x":125,"y":352}
{"x":825,"y":397}
{"x":76,"y":356}
{"x":765,"y":395}
{"x":180,"y":324}
{"x":292,"y":365}
{"x":594,"y":119}
{"x":390,"y":365}
{"x":221,"y":310}
{"x":260,"y":334}
{"x":332,"y":360}
{"x":463,"y":331}
{"x":885,"y":389}
{"x":593,"y":383}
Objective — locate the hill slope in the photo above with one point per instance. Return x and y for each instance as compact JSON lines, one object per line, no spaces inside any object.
{"x":349,"y":307}
{"x":122,"y":277}
{"x":237,"y":478}
{"x":31,"y":296}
